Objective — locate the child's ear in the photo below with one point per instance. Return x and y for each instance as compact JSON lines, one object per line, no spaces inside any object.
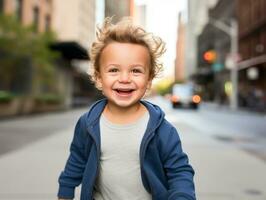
{"x":98,"y":82}
{"x":149,"y":84}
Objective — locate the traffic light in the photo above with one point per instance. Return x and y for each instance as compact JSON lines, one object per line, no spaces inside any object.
{"x":210,"y":56}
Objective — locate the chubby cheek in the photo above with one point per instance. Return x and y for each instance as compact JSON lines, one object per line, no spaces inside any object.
{"x":146,"y":83}
{"x":106,"y":83}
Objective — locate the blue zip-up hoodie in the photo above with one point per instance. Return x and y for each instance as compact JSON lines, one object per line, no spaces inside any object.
{"x":165,"y":171}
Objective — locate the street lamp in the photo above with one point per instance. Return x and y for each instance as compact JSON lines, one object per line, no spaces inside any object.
{"x":232,"y":31}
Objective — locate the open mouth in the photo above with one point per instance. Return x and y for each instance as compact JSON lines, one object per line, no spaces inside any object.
{"x":124,"y":91}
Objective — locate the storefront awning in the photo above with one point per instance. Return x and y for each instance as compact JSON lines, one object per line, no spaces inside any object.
{"x":252,"y":62}
{"x":71,"y":50}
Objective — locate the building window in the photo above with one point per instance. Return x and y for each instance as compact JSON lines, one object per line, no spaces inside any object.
{"x":18,"y":9}
{"x":47,"y":23}
{"x":36,"y":15}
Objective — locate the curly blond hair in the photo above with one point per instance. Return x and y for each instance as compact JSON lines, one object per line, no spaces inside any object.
{"x":125,"y":32}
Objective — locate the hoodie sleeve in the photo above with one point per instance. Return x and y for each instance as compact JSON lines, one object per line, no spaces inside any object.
{"x":179,"y":173}
{"x":72,"y":175}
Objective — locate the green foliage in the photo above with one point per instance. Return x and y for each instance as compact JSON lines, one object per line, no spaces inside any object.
{"x":18,"y":42}
{"x":179,"y":81}
{"x":5,"y":96}
{"x":164,"y":86}
{"x":49,"y":98}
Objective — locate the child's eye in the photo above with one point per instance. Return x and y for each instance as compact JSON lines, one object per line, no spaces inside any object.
{"x":136,"y":71}
{"x":113,"y":70}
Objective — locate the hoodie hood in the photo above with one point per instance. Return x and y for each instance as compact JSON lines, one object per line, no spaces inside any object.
{"x":155,"y":112}
{"x":156,"y":115}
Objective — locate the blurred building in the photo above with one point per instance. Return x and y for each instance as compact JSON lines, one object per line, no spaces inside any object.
{"x":73,"y":21}
{"x":118,"y":8}
{"x":30,"y":12}
{"x":252,"y":49}
{"x":180,"y":51}
{"x":215,"y":43}
{"x":214,"y":57}
{"x":196,"y":19}
{"x":75,"y":24}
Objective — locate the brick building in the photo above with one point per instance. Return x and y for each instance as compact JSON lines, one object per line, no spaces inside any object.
{"x":215,"y":77}
{"x":74,"y":24}
{"x":252,"y":48}
{"x":30,"y":12}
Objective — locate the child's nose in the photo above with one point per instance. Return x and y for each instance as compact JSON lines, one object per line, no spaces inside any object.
{"x":124,"y":77}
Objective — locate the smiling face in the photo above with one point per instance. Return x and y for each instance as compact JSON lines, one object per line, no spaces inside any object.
{"x":124,"y":74}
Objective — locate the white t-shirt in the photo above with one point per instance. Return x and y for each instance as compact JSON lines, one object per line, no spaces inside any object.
{"x":119,"y":170}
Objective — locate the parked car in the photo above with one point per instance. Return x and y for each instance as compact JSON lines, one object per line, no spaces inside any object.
{"x":184,"y":95}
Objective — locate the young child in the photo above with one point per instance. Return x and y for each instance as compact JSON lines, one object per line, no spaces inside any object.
{"x":123,"y":148}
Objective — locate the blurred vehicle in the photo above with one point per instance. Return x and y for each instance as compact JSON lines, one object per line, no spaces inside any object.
{"x":184,"y":95}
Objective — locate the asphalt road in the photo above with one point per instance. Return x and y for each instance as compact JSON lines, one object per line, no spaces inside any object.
{"x":18,"y":132}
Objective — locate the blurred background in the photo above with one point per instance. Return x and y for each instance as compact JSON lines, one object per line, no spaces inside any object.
{"x":215,"y":63}
{"x":219,"y":46}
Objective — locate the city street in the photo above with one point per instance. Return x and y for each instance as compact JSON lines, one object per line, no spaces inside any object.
{"x":227,"y":150}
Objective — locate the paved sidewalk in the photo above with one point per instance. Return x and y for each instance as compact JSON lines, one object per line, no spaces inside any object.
{"x":32,"y":172}
{"x":223,"y":172}
{"x":228,"y":110}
